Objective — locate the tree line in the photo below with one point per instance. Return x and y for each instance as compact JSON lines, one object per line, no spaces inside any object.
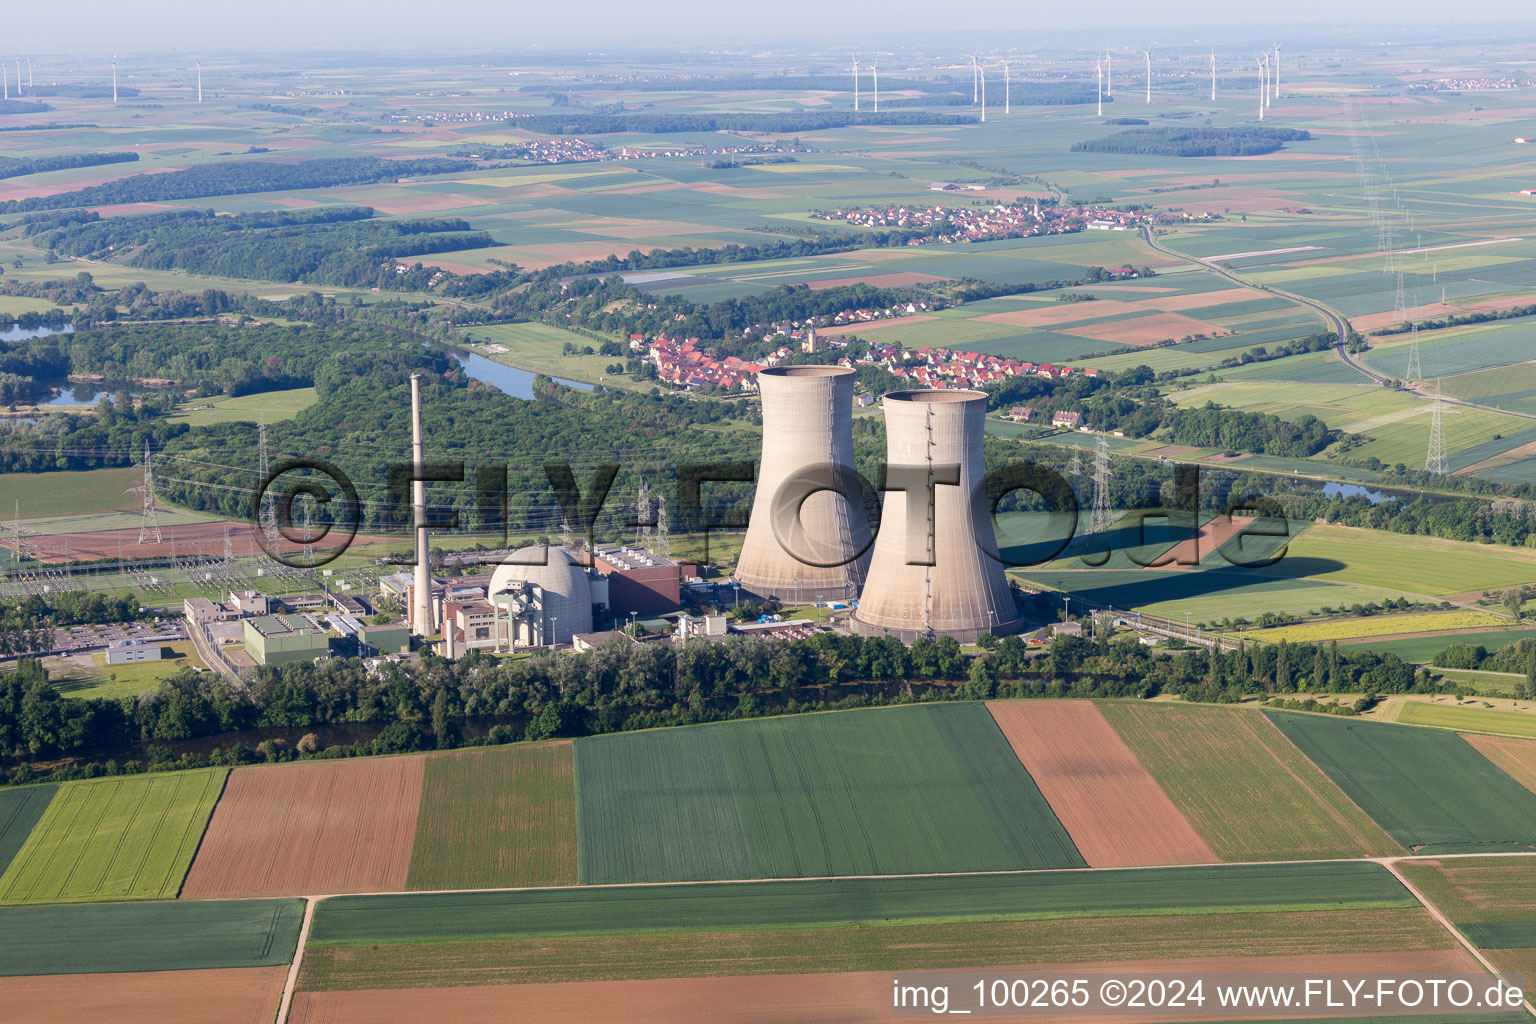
{"x":1250,"y":140}
{"x":16,"y":167}
{"x":239,"y":178}
{"x":625,"y":687}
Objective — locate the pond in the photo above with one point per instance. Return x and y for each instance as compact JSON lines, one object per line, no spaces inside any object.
{"x":16,"y":332}
{"x":1337,"y":490}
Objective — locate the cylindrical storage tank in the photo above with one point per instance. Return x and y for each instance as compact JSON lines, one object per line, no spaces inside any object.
{"x":564,"y":594}
{"x":807,"y":440}
{"x":963,"y":593}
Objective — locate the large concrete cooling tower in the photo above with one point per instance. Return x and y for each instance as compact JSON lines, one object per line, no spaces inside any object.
{"x":807,"y":430}
{"x":964,"y":592}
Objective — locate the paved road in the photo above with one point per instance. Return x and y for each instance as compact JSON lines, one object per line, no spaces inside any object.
{"x":1333,"y":318}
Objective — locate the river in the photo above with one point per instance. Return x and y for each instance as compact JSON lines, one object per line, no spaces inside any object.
{"x":510,"y":380}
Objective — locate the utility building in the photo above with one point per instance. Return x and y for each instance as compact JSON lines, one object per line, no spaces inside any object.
{"x":284,"y":639}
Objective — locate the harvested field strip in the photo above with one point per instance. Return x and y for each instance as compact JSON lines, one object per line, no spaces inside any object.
{"x":440,"y":917}
{"x":240,"y":996}
{"x":1243,"y":786}
{"x":855,"y":998}
{"x":160,"y":936}
{"x":1112,"y":808}
{"x":498,"y":817}
{"x":1502,"y":934}
{"x":1429,"y":788}
{"x":319,"y":826}
{"x":1508,"y":723}
{"x":20,"y":809}
{"x":1477,"y":888}
{"x":130,"y":837}
{"x":1515,"y":758}
{"x":873,"y":947}
{"x":885,"y":791}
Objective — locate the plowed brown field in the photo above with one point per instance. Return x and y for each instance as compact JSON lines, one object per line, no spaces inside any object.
{"x":309,"y":829}
{"x":1114,"y":810}
{"x":784,"y":999}
{"x":243,"y":995}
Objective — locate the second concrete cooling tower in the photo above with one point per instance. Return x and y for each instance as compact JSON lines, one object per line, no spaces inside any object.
{"x":963,"y":593}
{"x":821,"y":553}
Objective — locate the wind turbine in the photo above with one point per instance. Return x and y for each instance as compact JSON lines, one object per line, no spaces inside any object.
{"x":29,"y":73}
{"x":983,"y":72}
{"x":5,"y":80}
{"x":1100,"y":69}
{"x":1263,"y":84}
{"x":19,"y":90}
{"x":1213,"y":76}
{"x":114,"y":83}
{"x":874,"y":71}
{"x":855,"y":82}
{"x":1007,"y":90}
{"x":975,"y":82}
{"x":1148,"y":55}
{"x":1109,"y":73}
{"x":199,"y":83}
{"x":1277,"y":72}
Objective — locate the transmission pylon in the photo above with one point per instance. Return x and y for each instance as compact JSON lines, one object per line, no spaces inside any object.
{"x":268,"y":514}
{"x":1400,"y":303}
{"x":663,"y":542}
{"x":1100,"y":521}
{"x":1435,"y":461}
{"x":149,"y":519}
{"x":1415,"y":370}
{"x":21,"y":548}
{"x":645,"y":513}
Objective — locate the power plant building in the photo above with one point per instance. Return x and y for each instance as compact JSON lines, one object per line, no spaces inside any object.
{"x":932,"y":575}
{"x":821,"y":553}
{"x":541,"y":596}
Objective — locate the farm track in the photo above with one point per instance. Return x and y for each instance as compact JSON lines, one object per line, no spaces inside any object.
{"x":1389,"y":863}
{"x":1332,"y":317}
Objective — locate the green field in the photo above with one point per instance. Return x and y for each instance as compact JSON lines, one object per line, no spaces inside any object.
{"x":125,"y":838}
{"x":1428,"y":788}
{"x":20,"y":809}
{"x":1121,"y":892}
{"x":500,"y":817}
{"x":269,"y":405}
{"x":1419,"y":650}
{"x":1243,"y":787}
{"x":1503,"y":723}
{"x":69,"y":493}
{"x":851,"y":924}
{"x":1422,"y":565}
{"x":165,"y":936}
{"x":893,"y":790}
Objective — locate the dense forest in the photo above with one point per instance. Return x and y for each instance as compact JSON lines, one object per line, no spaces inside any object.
{"x":100,"y":91}
{"x":625,"y":687}
{"x":608,"y":124}
{"x":339,"y":245}
{"x":238,"y":178}
{"x":1251,"y":140}
{"x":1481,"y":316}
{"x":23,"y":107}
{"x":15,"y":167}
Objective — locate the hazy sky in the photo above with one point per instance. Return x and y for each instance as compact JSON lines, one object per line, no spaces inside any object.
{"x":162,"y":25}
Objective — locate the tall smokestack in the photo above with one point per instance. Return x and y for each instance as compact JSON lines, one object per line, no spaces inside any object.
{"x":421,"y":596}
{"x":807,"y":436}
{"x":963,"y":593}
